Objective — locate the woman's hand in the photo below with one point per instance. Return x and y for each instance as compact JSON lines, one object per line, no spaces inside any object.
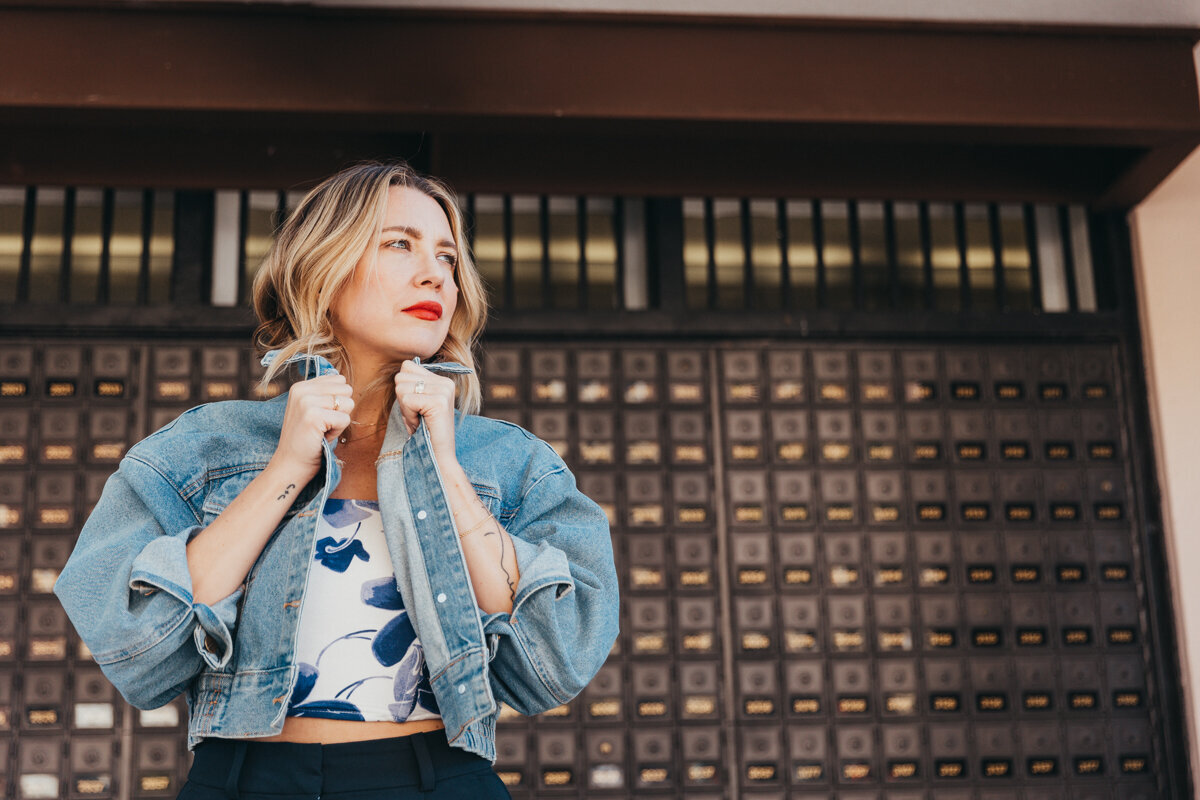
{"x":434,"y":402}
{"x":311,"y":416}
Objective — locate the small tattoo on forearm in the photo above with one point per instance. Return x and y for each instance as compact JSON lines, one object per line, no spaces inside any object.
{"x":289,"y":488}
{"x":512,"y":589}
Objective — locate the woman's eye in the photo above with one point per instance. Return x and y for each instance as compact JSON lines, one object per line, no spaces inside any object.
{"x":450,"y":259}
{"x":399,"y":244}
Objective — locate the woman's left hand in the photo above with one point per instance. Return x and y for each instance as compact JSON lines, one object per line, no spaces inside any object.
{"x":434,"y":402}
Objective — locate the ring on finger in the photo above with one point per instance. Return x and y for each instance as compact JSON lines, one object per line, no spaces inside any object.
{"x":420,"y":387}
{"x":335,"y":403}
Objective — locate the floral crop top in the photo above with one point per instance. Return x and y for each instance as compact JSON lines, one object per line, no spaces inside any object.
{"x":359,"y":656}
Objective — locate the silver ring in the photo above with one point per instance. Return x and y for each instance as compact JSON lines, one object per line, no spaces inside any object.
{"x":335,"y":403}
{"x":420,"y":387}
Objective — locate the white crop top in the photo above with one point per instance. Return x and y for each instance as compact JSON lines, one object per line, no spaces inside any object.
{"x":358,"y":654}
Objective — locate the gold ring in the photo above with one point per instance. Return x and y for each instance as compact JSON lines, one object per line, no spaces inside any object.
{"x":335,"y":403}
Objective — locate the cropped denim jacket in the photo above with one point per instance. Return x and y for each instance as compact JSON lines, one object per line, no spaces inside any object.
{"x":127,"y":589}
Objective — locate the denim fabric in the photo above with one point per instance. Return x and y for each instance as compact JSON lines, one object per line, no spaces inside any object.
{"x":128,"y":591}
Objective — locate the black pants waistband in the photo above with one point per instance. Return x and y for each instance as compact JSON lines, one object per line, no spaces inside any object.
{"x":253,"y":767}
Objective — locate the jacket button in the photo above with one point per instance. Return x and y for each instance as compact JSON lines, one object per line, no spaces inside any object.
{"x":462,"y":688}
{"x":421,"y":514}
{"x":441,"y":598}
{"x":210,"y":644}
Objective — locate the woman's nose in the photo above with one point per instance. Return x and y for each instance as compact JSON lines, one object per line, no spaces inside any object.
{"x":432,"y":272}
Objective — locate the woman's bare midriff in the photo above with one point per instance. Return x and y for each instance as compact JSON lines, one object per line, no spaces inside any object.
{"x":331,"y":731}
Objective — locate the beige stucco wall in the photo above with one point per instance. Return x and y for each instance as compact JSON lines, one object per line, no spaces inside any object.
{"x":1166,"y":231}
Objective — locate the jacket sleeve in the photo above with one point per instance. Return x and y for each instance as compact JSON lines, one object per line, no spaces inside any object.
{"x":128,"y":591}
{"x":565,"y":616}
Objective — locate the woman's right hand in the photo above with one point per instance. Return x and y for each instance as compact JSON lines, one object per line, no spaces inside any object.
{"x":309,"y":418}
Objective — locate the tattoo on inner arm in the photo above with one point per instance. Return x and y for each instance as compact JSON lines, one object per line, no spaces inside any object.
{"x":289,"y":488}
{"x":512,"y":588}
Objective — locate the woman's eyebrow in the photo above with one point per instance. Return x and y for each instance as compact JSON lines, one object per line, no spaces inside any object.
{"x":416,"y":234}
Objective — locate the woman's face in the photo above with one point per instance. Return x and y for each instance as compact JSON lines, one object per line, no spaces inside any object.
{"x":400,"y":306}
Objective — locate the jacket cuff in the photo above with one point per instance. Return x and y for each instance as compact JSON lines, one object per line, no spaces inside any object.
{"x":541,"y":565}
{"x":162,"y":566}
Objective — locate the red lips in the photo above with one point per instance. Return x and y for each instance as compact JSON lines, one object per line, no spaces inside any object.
{"x":427,"y":310}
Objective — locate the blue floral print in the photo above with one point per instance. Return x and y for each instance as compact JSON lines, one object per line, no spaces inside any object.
{"x":393,"y":644}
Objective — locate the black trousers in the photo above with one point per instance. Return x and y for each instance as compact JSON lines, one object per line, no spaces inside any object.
{"x":422,"y":765}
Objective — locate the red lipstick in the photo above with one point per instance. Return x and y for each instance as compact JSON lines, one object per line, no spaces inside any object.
{"x":427,"y":310}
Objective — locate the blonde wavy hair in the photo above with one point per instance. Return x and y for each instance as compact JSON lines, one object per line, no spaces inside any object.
{"x":313,"y":258}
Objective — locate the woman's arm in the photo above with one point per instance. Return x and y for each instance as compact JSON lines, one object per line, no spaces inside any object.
{"x":565,"y":618}
{"x":221,"y":555}
{"x":491,"y":557}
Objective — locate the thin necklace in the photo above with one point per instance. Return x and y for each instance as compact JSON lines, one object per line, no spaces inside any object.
{"x":347,"y":439}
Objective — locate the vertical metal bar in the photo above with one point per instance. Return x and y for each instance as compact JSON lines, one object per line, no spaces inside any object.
{"x":785,"y":277}
{"x":243,"y":229}
{"x":926,"y":254}
{"x":143,"y":287}
{"x":1035,"y":273}
{"x":68,"y":235}
{"x":710,"y":245}
{"x":107,"y":214}
{"x":27,"y":226}
{"x":747,"y":254}
{"x":618,"y":301}
{"x":581,"y":232}
{"x":1064,"y":227}
{"x":854,"y":233}
{"x":509,"y":290}
{"x":893,"y":258}
{"x":964,"y":274}
{"x":544,"y":235}
{"x":818,"y":230}
{"x":997,"y":238}
{"x":724,"y":558}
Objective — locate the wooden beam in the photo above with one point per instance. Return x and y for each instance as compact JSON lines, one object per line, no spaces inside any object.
{"x":436,"y":67}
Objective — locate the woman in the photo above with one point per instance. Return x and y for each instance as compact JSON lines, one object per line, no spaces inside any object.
{"x":347,"y":579}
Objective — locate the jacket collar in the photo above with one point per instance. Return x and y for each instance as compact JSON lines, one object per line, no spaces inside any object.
{"x":314,"y":366}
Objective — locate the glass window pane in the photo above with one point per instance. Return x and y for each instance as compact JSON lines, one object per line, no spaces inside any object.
{"x":125,"y":247}
{"x":839,"y":279}
{"x":765,"y":254}
{"x":488,"y":247}
{"x":695,"y":253}
{"x":872,"y":254}
{"x":1052,"y":266}
{"x":910,"y":259}
{"x":162,"y":247}
{"x":1014,"y":255}
{"x":601,"y":253}
{"x":944,"y":254}
{"x":526,"y":252}
{"x":802,"y":254}
{"x":729,"y":254}
{"x":12,"y":215}
{"x":1081,"y":256}
{"x":261,"y":210}
{"x":87,"y":246}
{"x":564,"y":252}
{"x":46,"y":249}
{"x":981,"y":256}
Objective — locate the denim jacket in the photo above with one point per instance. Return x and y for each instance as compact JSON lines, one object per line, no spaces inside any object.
{"x":127,"y":589}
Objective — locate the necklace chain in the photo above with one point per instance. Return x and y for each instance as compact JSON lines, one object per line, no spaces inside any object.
{"x":348,"y":439}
